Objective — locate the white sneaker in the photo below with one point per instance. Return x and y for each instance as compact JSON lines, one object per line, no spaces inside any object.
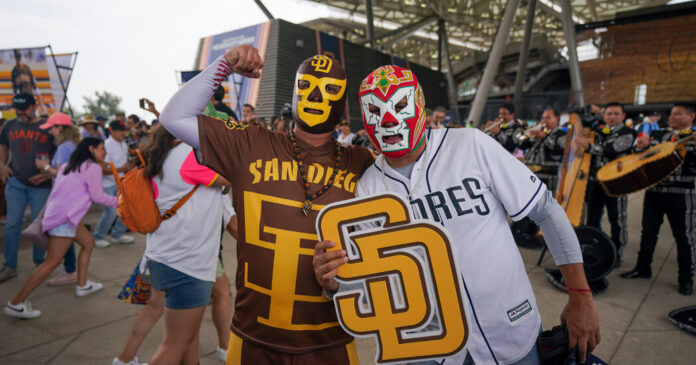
{"x":132,"y":362}
{"x":102,"y":243}
{"x":222,"y":354}
{"x":123,"y":239}
{"x":22,"y":310}
{"x":89,"y":288}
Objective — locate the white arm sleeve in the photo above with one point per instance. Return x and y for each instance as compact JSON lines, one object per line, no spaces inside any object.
{"x":180,"y":115}
{"x":558,"y":233}
{"x":227,"y":208}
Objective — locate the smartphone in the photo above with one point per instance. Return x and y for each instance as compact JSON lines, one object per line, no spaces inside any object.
{"x":142,"y":103}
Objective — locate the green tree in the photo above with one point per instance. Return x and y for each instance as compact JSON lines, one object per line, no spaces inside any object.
{"x":103,"y":104}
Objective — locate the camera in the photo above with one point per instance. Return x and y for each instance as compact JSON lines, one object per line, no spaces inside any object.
{"x":286,"y":111}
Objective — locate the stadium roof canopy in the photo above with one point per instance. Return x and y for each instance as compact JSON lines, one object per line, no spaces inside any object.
{"x":409,"y":28}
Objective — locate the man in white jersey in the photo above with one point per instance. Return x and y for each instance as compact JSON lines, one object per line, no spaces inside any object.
{"x":466,"y":181}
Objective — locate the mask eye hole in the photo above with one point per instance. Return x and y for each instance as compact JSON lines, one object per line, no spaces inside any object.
{"x":401,"y":105}
{"x":302,"y":84}
{"x":374,"y":110}
{"x":333,"y":89}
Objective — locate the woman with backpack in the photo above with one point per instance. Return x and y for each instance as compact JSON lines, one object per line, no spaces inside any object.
{"x":77,"y":185}
{"x":182,"y":253}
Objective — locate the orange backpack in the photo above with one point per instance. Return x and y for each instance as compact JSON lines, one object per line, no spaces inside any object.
{"x":136,"y":200}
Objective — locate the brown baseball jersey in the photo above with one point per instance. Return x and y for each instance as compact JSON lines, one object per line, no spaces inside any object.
{"x":279,"y":303}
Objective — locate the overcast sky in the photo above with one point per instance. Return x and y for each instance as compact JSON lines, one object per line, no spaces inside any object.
{"x":133,"y":48}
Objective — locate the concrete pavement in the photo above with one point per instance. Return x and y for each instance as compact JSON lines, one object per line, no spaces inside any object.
{"x":93,"y":329}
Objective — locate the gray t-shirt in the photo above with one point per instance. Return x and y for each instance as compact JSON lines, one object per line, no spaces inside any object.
{"x":27,"y":142}
{"x":405,"y":171}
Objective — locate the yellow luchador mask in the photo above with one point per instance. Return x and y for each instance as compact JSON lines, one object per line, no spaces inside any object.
{"x":320,"y":94}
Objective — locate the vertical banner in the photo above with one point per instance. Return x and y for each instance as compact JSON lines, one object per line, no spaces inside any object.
{"x":331,"y":46}
{"x":240,"y":90}
{"x":60,"y":67}
{"x":25,"y":70}
{"x":186,"y":76}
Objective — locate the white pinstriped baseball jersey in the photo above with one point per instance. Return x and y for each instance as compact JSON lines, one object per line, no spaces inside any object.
{"x":469,"y":184}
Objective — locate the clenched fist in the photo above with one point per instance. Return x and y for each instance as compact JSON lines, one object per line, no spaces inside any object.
{"x":245,"y":60}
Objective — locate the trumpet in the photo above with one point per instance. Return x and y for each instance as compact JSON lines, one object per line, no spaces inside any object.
{"x":498,"y":122}
{"x":524,"y":134}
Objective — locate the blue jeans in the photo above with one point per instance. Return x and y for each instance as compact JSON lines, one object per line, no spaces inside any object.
{"x":181,"y":291}
{"x":66,"y":230}
{"x":108,"y":218}
{"x":18,"y":196}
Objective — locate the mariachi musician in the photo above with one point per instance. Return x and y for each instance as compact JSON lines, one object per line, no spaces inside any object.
{"x":613,"y":140}
{"x":675,"y":196}
{"x":546,"y":144}
{"x":504,"y":128}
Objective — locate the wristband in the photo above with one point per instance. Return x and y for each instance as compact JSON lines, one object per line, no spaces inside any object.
{"x":582,"y":291}
{"x":45,"y":169}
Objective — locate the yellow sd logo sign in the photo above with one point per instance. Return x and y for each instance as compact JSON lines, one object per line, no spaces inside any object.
{"x":405,"y":287}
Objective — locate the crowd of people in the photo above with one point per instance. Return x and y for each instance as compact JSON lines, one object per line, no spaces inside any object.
{"x":59,"y":167}
{"x":265,"y":183}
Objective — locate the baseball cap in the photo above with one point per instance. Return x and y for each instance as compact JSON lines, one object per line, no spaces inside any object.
{"x":117,"y":125}
{"x":57,"y":119}
{"x":23,"y":101}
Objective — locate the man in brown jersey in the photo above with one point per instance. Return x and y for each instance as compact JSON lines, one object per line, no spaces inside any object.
{"x":280,"y":182}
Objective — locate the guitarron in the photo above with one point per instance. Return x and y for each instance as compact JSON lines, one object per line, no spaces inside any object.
{"x":642,"y":170}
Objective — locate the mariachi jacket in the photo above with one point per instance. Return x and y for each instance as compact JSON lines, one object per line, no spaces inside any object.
{"x":506,"y":135}
{"x":610,"y":144}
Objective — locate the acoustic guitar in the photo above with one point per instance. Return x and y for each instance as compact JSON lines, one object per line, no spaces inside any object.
{"x":641,"y":170}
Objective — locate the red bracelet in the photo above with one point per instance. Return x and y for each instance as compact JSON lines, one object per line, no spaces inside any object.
{"x":583,"y":291}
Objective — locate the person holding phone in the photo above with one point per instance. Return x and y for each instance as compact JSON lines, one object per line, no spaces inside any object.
{"x":25,"y":184}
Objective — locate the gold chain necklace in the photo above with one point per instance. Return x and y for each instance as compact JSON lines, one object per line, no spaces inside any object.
{"x":307,"y":204}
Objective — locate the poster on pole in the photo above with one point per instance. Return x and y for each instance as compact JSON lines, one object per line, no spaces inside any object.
{"x":60,"y":67}
{"x":25,"y":70}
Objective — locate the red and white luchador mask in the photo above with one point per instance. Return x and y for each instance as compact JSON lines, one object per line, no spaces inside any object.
{"x":393,"y":110}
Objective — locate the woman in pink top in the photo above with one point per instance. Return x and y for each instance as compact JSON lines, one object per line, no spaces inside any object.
{"x":77,"y":185}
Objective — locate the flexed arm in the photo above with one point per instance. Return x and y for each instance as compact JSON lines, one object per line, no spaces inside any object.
{"x":180,"y":115}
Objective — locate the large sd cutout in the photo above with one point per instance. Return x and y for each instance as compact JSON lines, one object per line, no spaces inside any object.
{"x":405,"y":285}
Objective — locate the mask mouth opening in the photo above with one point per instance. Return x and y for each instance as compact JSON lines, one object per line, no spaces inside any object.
{"x":313,"y":111}
{"x":393,"y":139}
